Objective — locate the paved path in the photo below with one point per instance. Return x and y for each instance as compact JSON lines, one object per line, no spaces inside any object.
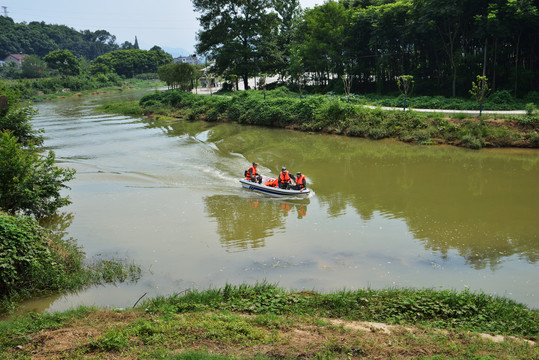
{"x":447,"y":111}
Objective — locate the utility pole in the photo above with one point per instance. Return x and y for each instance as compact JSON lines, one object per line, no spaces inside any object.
{"x":5,"y":10}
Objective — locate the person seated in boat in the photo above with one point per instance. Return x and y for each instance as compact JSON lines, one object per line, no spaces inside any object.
{"x":253,"y":175}
{"x":272,"y":182}
{"x":301,"y":183}
{"x":285,"y":179}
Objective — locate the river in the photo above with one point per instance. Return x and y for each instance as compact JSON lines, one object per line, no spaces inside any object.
{"x":165,"y":195}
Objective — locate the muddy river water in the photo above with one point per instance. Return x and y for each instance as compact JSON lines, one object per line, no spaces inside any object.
{"x":166,"y":196}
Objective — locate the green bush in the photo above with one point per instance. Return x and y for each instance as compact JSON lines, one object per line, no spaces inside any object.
{"x":26,"y":259}
{"x":531,"y":109}
{"x":16,"y":119}
{"x":501,"y":100}
{"x":532,"y":97}
{"x":29,"y":182}
{"x":533,"y":137}
{"x":473,"y":142}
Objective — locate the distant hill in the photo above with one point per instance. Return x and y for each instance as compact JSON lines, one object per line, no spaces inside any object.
{"x":39,"y":39}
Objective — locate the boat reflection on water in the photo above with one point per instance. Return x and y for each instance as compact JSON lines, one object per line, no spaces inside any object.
{"x":245,"y":223}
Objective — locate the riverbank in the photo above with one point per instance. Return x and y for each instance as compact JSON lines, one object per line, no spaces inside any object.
{"x":334,"y":115}
{"x":48,"y":89}
{"x":36,"y":261}
{"x":265,"y":322}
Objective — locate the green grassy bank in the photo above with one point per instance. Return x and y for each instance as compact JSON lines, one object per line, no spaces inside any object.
{"x":335,"y":115}
{"x":266,"y":322}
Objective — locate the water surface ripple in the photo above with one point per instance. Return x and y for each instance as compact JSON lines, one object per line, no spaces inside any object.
{"x":165,"y":195}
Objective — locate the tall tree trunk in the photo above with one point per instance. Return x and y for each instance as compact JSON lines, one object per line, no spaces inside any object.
{"x":516,"y":65}
{"x":494,"y":65}
{"x":454,"y":81}
{"x":485,"y":58}
{"x":245,"y":82}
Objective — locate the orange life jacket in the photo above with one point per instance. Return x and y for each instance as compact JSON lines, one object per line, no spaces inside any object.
{"x":300,"y":180}
{"x":272,"y":183}
{"x":285,"y":178}
{"x":250,"y":172}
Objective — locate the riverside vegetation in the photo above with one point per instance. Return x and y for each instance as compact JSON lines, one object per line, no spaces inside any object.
{"x":337,"y":115}
{"x":265,"y":322}
{"x":35,"y":260}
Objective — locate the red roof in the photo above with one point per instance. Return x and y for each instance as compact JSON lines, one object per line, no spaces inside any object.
{"x":19,"y":57}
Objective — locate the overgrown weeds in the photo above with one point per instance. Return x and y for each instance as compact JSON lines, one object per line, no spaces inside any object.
{"x":33,"y":261}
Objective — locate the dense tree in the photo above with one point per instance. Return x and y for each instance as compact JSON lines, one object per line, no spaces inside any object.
{"x":39,"y":39}
{"x":33,"y":67}
{"x":29,"y":181}
{"x":321,"y":40}
{"x":129,"y":63}
{"x":16,"y":116}
{"x":288,"y":13}
{"x":238,"y":35}
{"x":177,"y":75}
{"x":10,"y":70}
{"x":442,"y":44}
{"x":63,"y":61}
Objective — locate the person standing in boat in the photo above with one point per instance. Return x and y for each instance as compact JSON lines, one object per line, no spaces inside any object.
{"x":285,"y":179}
{"x":252,"y":174}
{"x":301,"y":183}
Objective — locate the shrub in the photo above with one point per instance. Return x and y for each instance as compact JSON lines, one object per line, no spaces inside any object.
{"x":212,"y":115}
{"x":501,"y":100}
{"x":31,"y":262}
{"x":377,"y":133}
{"x":532,"y":97}
{"x":472,"y":142}
{"x":533,"y":137}
{"x":147,"y":76}
{"x":26,"y":259}
{"x":531,"y":109}
{"x":30,"y":183}
{"x":16,"y":118}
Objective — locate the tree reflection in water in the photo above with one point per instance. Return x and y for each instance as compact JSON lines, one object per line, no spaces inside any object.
{"x":245,"y":223}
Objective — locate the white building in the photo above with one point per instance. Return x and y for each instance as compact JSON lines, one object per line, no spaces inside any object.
{"x":191,"y":60}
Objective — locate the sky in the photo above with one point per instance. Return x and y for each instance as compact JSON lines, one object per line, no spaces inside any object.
{"x":170,"y":24}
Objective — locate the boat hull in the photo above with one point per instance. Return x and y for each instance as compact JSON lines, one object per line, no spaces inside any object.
{"x":273,"y":191}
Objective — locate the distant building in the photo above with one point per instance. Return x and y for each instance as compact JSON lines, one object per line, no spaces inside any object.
{"x":16,"y":58}
{"x":191,"y":59}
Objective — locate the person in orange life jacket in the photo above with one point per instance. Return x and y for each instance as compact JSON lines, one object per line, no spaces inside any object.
{"x":272,"y":183}
{"x":253,"y":175}
{"x":285,"y":179}
{"x":302,"y":211}
{"x":301,"y":183}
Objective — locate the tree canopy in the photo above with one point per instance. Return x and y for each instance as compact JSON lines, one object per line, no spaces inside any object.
{"x":240,"y":35}
{"x":62,"y":61}
{"x":177,"y":75}
{"x":38,"y":38}
{"x":444,"y":45}
{"x":30,"y":182}
{"x":131,"y":62}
